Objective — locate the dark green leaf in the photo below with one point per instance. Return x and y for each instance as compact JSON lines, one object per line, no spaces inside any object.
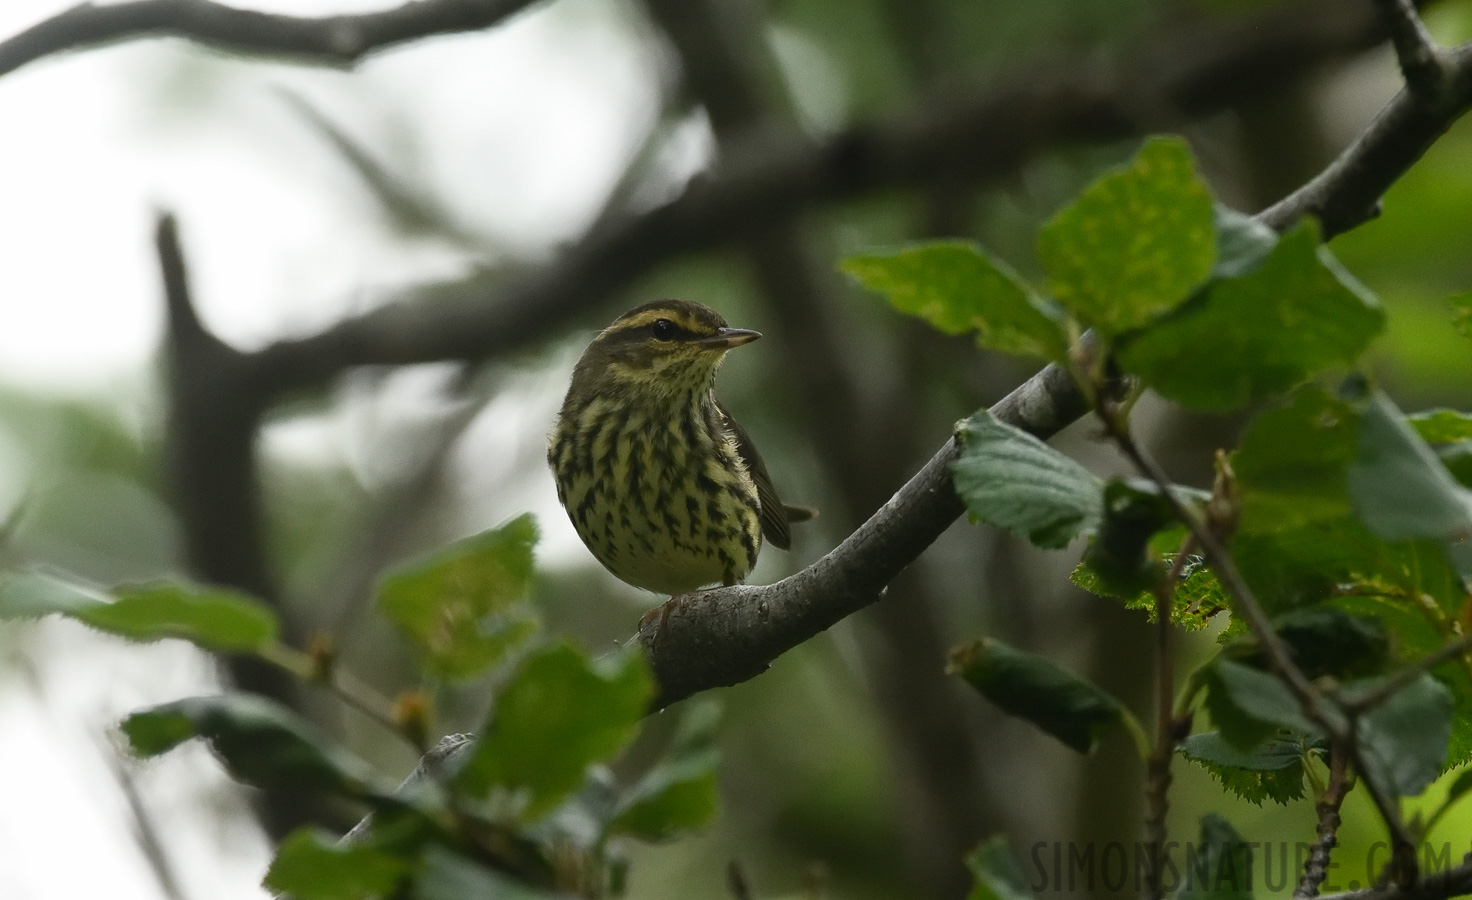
{"x":260,"y":741}
{"x":445,"y":875}
{"x":1248,"y":705}
{"x":1323,"y":640}
{"x":1400,"y":489}
{"x":1135,"y":243}
{"x":996,"y":872}
{"x":1460,"y":785}
{"x":559,"y":714}
{"x":464,"y":606}
{"x":1291,"y":464}
{"x":1221,"y":867}
{"x":674,"y":798}
{"x":1030,"y":687}
{"x":311,"y":864}
{"x":958,"y":288}
{"x":1442,"y":426}
{"x":1012,"y":480}
{"x":1273,"y":771}
{"x":1243,"y":339}
{"x":213,"y":618}
{"x":1404,"y":740}
{"x":1458,"y":461}
{"x":1461,"y":306}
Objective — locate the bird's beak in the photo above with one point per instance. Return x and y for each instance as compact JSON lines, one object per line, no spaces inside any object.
{"x":727,"y":338}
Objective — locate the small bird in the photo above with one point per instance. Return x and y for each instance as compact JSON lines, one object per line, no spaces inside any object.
{"x":664,"y":487}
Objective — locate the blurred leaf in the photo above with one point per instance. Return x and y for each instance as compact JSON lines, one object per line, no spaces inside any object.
{"x":559,"y":714}
{"x":1461,"y":306}
{"x":1442,"y":426}
{"x":1272,"y":771}
{"x":1248,"y":705}
{"x":259,"y":740}
{"x":463,"y":605}
{"x":1460,"y":785}
{"x":1012,"y":480}
{"x":1246,"y":338}
{"x":1404,"y":740}
{"x":1242,"y":243}
{"x":1223,"y":870}
{"x":676,"y":797}
{"x":1135,"y":243}
{"x":311,"y":864}
{"x":1458,"y":461}
{"x":445,"y":875}
{"x":216,"y":619}
{"x":1035,"y":689}
{"x":958,"y":288}
{"x":1292,"y":460}
{"x":996,"y":872}
{"x":1400,"y":489}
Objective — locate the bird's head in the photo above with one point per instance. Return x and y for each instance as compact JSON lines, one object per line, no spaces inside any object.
{"x":667,"y":346}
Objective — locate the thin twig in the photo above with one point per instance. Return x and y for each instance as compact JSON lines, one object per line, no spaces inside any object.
{"x":1359,"y":703}
{"x":1328,"y":829}
{"x":1158,"y":775}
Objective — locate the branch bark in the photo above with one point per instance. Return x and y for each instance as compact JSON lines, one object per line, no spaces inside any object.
{"x":330,"y":40}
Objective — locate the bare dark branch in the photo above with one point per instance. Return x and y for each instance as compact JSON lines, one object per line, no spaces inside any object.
{"x":1421,"y":62}
{"x":333,"y":40}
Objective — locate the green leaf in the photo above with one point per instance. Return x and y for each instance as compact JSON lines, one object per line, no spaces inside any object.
{"x":675,"y":798}
{"x":958,"y":288}
{"x":1442,"y":426}
{"x":1035,"y":689}
{"x":1291,"y":464}
{"x":464,"y":606}
{"x":1012,"y":480}
{"x":1400,"y":489}
{"x":1323,"y":640}
{"x":1273,"y":771}
{"x":1222,"y":868}
{"x":445,"y":875}
{"x":259,"y":740}
{"x":559,"y":714}
{"x":1248,"y":705}
{"x":1198,"y":597}
{"x":1242,"y":243}
{"x":1461,"y":305}
{"x":216,"y":619}
{"x":1135,"y":243}
{"x":311,"y":864}
{"x":1460,"y":786}
{"x":1404,"y":740}
{"x":997,"y":873}
{"x":1242,"y":339}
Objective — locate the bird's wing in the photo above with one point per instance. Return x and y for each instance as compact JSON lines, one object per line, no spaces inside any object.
{"x":773,"y":513}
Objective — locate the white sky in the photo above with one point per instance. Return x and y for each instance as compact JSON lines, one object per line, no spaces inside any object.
{"x":519,"y":131}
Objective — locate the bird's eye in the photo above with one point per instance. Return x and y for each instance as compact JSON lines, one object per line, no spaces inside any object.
{"x":664,"y":330}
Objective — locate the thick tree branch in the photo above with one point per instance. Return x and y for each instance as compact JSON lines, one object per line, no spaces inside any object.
{"x":333,"y":40}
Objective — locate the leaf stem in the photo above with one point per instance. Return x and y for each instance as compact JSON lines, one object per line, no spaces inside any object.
{"x":344,"y":685}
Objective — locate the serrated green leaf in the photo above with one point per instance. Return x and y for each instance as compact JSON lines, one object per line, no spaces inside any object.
{"x":1222,"y":870}
{"x":1272,"y":771}
{"x":1461,"y":305}
{"x":1135,"y":243}
{"x":1037,"y":690}
{"x":1442,"y":426}
{"x":464,"y":606}
{"x":959,"y":288}
{"x":1198,"y":596}
{"x":559,"y":714}
{"x":1242,"y":339}
{"x":259,"y":740}
{"x":997,"y":874}
{"x":216,"y":619}
{"x":1399,"y":486}
{"x":1403,"y":741}
{"x":1012,"y":480}
{"x":311,"y":864}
